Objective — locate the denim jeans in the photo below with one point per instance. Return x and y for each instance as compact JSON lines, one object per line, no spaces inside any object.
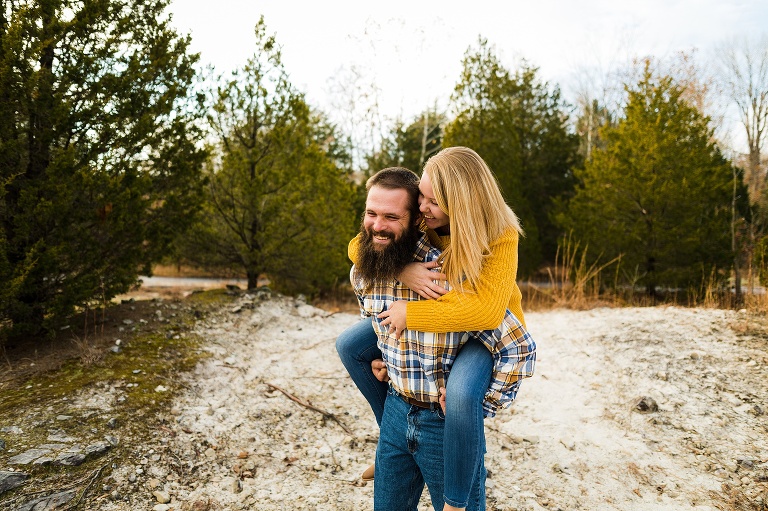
{"x":409,"y":454}
{"x":357,"y":349}
{"x":464,"y":439}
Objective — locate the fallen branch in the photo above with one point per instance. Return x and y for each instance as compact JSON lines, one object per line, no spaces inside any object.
{"x":305,"y":404}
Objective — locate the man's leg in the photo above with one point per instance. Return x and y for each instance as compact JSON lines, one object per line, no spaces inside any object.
{"x":429,"y":427}
{"x":399,"y":483}
{"x":357,"y":348}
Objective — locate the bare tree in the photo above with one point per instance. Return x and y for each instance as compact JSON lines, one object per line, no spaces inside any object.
{"x":745,"y":76}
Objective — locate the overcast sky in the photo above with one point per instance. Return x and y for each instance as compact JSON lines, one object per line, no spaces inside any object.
{"x":413,"y":49}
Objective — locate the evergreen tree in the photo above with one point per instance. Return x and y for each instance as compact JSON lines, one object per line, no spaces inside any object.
{"x":98,"y":157}
{"x":659,"y":194}
{"x":279,"y":202}
{"x":410,"y":146}
{"x":519,"y":126}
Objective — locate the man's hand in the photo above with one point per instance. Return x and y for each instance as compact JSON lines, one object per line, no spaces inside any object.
{"x":441,"y":399}
{"x":394,"y":318}
{"x":379,"y":369}
{"x":419,"y":278}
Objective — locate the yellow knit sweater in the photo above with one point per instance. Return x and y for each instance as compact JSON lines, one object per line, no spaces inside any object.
{"x":455,"y":311}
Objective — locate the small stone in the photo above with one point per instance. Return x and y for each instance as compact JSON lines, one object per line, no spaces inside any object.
{"x":69,"y":459}
{"x":646,"y":405}
{"x":161,"y":388}
{"x":97,"y":449}
{"x":210,"y":453}
{"x":232,"y":484}
{"x":531,"y":439}
{"x":63,"y":417}
{"x":54,"y":501}
{"x":28,"y":456}
{"x":113,"y":440}
{"x":132,"y":477}
{"x":15,"y":430}
{"x":153,"y":483}
{"x":11,"y":480}
{"x":2,"y":445}
{"x":161,"y":507}
{"x":60,"y":436}
{"x":161,"y":496}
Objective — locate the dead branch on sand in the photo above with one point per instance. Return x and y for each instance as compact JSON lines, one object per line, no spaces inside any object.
{"x":306,"y":404}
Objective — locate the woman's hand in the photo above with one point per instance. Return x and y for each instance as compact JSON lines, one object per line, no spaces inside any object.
{"x":419,"y":278}
{"x":394,"y":318}
{"x":379,"y":369}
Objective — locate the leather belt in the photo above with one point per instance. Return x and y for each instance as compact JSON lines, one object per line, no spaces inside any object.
{"x":416,"y":402}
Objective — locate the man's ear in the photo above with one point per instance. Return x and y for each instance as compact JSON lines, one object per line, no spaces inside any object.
{"x":417,"y":219}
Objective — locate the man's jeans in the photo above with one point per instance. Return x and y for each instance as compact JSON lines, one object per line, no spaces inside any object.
{"x":409,"y":454}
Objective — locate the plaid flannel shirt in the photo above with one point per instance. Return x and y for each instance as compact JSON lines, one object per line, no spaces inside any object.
{"x":419,"y":363}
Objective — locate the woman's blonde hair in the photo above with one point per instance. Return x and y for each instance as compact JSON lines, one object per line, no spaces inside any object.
{"x":467,"y":191}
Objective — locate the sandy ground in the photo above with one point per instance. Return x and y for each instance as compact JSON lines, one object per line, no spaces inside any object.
{"x":575,"y":439}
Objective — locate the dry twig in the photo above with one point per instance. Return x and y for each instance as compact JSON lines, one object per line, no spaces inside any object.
{"x":306,"y":404}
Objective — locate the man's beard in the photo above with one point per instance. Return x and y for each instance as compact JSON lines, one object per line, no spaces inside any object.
{"x":381,"y":265}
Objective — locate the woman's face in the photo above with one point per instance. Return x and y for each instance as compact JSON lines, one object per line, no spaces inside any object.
{"x":434,"y":217}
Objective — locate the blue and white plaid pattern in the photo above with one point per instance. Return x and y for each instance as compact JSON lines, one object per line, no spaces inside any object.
{"x":420,"y":362}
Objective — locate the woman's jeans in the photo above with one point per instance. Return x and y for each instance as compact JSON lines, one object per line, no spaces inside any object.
{"x":464,"y":438}
{"x":357,"y":349}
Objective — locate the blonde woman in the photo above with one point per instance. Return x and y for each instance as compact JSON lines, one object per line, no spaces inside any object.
{"x":466,"y":216}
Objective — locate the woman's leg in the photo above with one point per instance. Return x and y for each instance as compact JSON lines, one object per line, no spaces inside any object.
{"x":464,"y":440}
{"x":357,"y":349}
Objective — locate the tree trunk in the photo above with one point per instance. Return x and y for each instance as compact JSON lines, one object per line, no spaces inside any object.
{"x":253,"y":279}
{"x":734,"y":245}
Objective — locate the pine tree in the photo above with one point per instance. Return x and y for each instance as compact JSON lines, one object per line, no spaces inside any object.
{"x":98,"y":156}
{"x":279,"y":202}
{"x":658,"y":193}
{"x":519,"y":126}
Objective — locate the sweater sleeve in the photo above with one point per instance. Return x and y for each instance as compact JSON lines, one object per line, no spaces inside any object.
{"x":480,"y":310}
{"x":352,"y":248}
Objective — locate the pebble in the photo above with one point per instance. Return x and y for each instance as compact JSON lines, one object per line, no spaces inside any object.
{"x":161,"y":496}
{"x":161,"y":507}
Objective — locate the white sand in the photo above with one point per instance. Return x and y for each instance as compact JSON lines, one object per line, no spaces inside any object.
{"x":573,"y":439}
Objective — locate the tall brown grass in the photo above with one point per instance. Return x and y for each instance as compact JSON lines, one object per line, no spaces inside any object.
{"x":574,"y":282}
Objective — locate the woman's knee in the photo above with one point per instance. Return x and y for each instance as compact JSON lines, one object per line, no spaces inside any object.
{"x":354,"y":342}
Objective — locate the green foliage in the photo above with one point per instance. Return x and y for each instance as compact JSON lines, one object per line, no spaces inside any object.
{"x":279,"y":202}
{"x":519,"y":126}
{"x":98,"y":156}
{"x":659,"y":194}
{"x":410,"y":146}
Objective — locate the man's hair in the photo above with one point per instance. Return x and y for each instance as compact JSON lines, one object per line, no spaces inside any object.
{"x":394,"y":178}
